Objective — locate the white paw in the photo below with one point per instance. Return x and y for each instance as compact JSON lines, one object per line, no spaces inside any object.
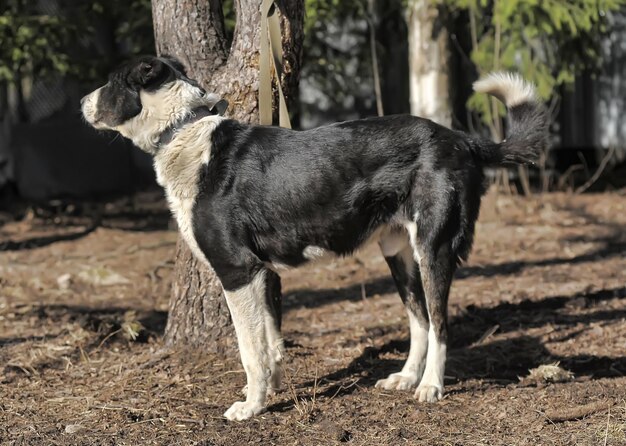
{"x":242,"y":410}
{"x":428,"y":393}
{"x":397,"y":381}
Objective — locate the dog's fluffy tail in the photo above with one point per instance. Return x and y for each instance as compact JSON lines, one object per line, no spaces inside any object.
{"x":527,"y":121}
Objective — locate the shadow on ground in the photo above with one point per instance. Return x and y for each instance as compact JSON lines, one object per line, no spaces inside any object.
{"x":39,"y":242}
{"x":125,"y":220}
{"x":101,"y":321}
{"x":499,"y":362}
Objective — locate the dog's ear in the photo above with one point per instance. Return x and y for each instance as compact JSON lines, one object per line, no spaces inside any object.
{"x":220,"y":107}
{"x":146,"y":72}
{"x":174,"y":62}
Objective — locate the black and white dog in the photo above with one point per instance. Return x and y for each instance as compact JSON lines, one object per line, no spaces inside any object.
{"x":250,"y":198}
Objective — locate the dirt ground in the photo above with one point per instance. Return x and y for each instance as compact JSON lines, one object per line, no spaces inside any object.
{"x":83,"y":308}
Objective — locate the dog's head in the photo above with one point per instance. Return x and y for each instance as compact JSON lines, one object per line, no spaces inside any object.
{"x":145,"y":97}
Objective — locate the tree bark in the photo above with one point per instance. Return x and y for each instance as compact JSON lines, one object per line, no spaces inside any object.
{"x":193,"y":31}
{"x":428,"y":63}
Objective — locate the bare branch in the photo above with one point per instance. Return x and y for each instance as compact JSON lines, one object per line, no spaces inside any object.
{"x":598,"y":172}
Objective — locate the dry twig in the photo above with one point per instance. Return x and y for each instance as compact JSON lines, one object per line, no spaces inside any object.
{"x":486,"y":335}
{"x":578,"y":412}
{"x":598,"y":171}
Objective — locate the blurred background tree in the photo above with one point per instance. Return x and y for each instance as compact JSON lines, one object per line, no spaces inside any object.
{"x":338,"y":72}
{"x":548,"y":42}
{"x":53,"y":52}
{"x":33,"y":43}
{"x":51,"y":38}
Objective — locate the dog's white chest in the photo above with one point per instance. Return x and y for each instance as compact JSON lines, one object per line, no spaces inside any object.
{"x":183,"y":212}
{"x":178,"y":170}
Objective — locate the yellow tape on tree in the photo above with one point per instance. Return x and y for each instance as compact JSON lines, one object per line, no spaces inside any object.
{"x":271,"y":50}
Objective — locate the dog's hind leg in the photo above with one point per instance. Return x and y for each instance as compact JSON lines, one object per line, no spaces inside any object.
{"x":437,"y":264}
{"x":248,"y":309}
{"x":406,"y":275}
{"x":273,"y":300}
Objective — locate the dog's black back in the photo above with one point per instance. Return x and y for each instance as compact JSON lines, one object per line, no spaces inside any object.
{"x":281,"y":190}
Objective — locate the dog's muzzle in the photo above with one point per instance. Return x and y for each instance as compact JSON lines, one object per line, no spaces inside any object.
{"x":88,"y":106}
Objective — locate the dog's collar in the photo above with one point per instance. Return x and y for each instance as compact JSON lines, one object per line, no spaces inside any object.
{"x":196,"y":114}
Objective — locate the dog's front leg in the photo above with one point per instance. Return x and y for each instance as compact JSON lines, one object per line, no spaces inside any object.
{"x":272,"y":311}
{"x":247,"y":307}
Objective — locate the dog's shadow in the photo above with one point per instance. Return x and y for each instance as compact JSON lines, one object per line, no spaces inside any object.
{"x":497,"y":362}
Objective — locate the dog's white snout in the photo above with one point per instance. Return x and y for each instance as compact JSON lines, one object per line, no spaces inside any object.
{"x":88,"y":107}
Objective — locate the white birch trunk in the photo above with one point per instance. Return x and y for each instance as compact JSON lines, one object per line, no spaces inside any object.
{"x":428,"y":64}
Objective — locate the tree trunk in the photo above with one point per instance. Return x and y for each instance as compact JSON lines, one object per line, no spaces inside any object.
{"x":428,"y":63}
{"x":193,"y":31}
